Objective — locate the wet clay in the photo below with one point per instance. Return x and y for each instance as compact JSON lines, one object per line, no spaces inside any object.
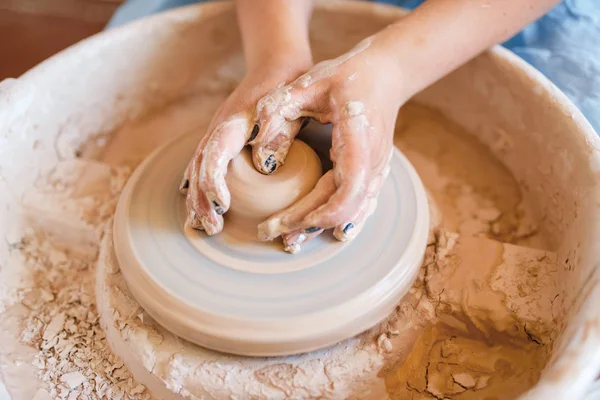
{"x":485,"y":340}
{"x":256,"y":196}
{"x":281,"y":305}
{"x":475,"y":193}
{"x":69,"y":327}
{"x":476,"y":309}
{"x":476,"y":300}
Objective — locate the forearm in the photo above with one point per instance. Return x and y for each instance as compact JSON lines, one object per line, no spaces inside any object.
{"x":441,"y":35}
{"x":275,"y":30}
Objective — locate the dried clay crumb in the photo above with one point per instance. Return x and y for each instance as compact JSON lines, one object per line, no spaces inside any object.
{"x":75,"y":362}
{"x":73,"y":358}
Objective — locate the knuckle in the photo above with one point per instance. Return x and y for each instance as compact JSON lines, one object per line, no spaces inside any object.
{"x":336,"y":220}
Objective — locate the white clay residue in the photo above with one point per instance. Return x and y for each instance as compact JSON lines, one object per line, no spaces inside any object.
{"x":353,"y":108}
{"x":509,"y":277}
{"x":500,"y":335}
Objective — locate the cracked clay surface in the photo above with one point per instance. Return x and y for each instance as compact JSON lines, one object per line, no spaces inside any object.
{"x":481,"y":316}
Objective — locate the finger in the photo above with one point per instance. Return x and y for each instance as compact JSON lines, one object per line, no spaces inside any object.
{"x":292,"y":241}
{"x":200,"y":214}
{"x":350,"y":229}
{"x":225,"y":142}
{"x":218,"y":118}
{"x":201,"y":217}
{"x":268,"y":157}
{"x":352,"y":165}
{"x":279,"y":116}
{"x":185,"y":181}
{"x":290,"y":219}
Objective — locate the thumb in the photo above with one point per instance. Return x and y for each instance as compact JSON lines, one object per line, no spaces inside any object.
{"x":279,"y":118}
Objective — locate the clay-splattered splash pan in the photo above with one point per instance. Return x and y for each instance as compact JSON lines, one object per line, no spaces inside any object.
{"x":254,"y":299}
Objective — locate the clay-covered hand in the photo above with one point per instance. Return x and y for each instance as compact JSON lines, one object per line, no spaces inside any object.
{"x":203,"y":183}
{"x":359,"y":94}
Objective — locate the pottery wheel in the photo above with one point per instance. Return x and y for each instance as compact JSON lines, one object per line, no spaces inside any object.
{"x":254,"y":299}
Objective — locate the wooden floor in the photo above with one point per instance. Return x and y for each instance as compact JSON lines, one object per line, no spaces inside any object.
{"x":28,"y":38}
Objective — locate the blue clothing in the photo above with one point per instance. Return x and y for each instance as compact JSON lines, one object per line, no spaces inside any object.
{"x":564,"y":45}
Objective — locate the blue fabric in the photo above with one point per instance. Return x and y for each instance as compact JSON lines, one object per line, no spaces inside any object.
{"x":564,"y":45}
{"x":135,"y":9}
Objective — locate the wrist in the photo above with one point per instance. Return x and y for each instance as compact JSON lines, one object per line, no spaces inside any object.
{"x":392,"y":72}
{"x":294,"y":52}
{"x":283,"y":64}
{"x":275,"y":31}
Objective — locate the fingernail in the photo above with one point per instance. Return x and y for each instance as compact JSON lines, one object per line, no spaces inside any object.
{"x":311,"y":229}
{"x":348,"y":227}
{"x":218,"y":209}
{"x":271,"y":164}
{"x":254,"y":133}
{"x":185,"y":184}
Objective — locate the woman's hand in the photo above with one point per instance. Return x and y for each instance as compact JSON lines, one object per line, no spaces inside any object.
{"x":359,"y":93}
{"x":277,"y":50}
{"x":203,"y":183}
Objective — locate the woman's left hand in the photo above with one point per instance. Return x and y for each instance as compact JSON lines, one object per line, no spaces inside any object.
{"x":359,"y":93}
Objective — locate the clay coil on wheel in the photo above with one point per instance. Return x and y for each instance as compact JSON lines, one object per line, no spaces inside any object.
{"x":249,"y":297}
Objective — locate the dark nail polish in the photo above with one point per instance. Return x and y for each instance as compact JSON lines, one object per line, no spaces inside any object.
{"x":254,"y":133}
{"x":218,"y":209}
{"x":186,"y":184}
{"x":348,"y":227}
{"x":311,"y":229}
{"x":271,"y":164}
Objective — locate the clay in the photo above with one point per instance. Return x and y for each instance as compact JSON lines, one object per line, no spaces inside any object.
{"x":280,"y":304}
{"x":468,"y":203}
{"x":367,"y":365}
{"x":481,"y":174}
{"x":486,"y":333}
{"x":256,"y":196}
{"x":489,"y":340}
